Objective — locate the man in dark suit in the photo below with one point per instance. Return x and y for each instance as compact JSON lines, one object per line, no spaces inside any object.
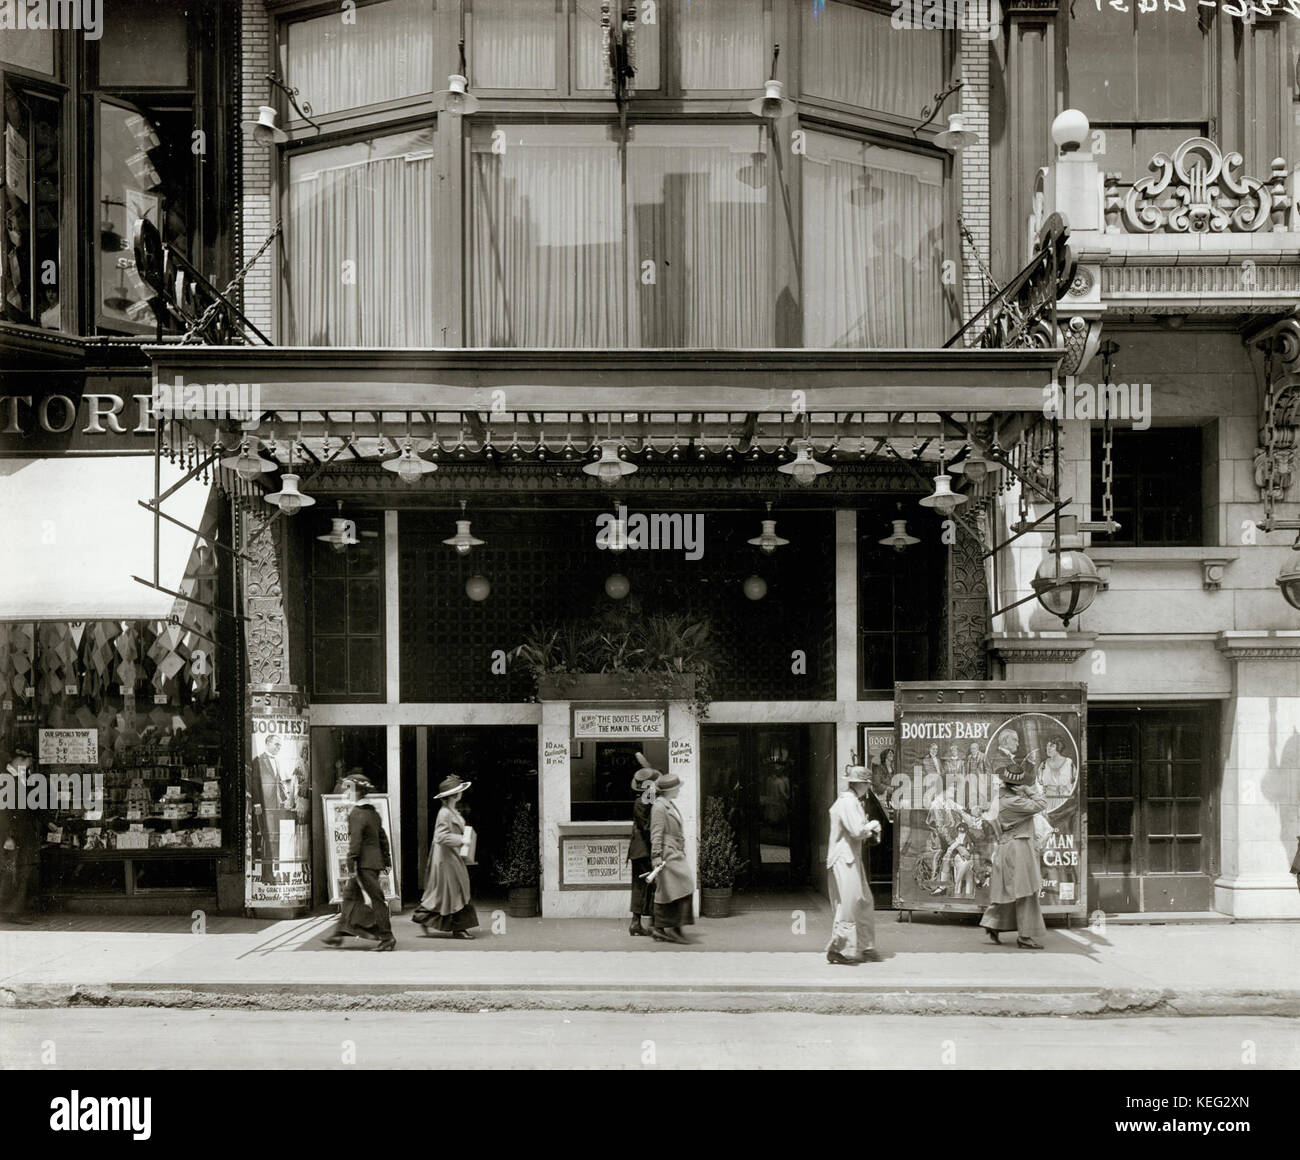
{"x":368,"y":854}
{"x":22,"y":831}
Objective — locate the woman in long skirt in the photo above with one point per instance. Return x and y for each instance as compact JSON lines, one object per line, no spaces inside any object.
{"x":446,"y":906}
{"x":674,"y":883}
{"x":1015,"y":879}
{"x":638,"y":851}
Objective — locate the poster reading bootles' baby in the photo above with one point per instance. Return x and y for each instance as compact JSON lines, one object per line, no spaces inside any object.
{"x":279,"y":813}
{"x":964,"y":746}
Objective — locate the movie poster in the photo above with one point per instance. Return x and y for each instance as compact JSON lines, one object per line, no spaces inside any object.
{"x":278,"y":793}
{"x":954,"y":742}
{"x":337,"y":809}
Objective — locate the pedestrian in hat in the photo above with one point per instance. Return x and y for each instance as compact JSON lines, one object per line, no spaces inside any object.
{"x":446,"y":906}
{"x":368,"y":854}
{"x":1015,"y":878}
{"x":674,"y":884}
{"x":22,"y":831}
{"x":638,"y":851}
{"x":853,"y":930}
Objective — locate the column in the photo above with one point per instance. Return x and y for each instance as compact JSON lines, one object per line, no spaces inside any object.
{"x":1260,"y":796}
{"x":846,"y":639}
{"x":552,"y":798}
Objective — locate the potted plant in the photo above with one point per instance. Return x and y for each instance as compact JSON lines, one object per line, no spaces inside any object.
{"x":622,"y":656}
{"x":720,"y":861}
{"x":519,"y":865}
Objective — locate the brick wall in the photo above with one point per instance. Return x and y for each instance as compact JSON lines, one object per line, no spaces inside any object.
{"x":974,"y":70}
{"x":256,"y":216}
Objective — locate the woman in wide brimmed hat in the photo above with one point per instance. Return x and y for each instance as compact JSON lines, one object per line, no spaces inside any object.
{"x":446,"y":906}
{"x":674,"y":883}
{"x":638,"y":851}
{"x":1015,"y":879}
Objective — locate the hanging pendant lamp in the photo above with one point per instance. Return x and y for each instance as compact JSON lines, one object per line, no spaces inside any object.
{"x":463,"y":541}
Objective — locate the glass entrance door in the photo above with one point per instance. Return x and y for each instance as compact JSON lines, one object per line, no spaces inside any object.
{"x":761,"y":773}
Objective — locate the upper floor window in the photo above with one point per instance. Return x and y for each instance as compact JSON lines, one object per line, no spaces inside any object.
{"x":1142,"y":78}
{"x":873,"y":245}
{"x":29,"y":48}
{"x":566,"y":250}
{"x":853,"y":57}
{"x":31,"y":185}
{"x":679,"y":46}
{"x":1157,"y":485}
{"x":145,"y":45}
{"x":360,"y":265}
{"x":365,"y":55}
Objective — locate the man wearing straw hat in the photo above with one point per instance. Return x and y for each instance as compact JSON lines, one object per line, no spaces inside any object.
{"x":853,"y":933}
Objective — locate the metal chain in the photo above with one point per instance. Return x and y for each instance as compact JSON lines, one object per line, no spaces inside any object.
{"x":1270,"y":433}
{"x":198,"y":328}
{"x":1107,"y":440}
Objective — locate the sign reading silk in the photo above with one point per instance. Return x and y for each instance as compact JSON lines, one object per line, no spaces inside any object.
{"x":84,"y":16}
{"x":981,"y":16}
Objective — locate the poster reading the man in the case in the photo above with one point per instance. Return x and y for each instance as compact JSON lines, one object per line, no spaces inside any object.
{"x":278,"y":855}
{"x":955,"y":741}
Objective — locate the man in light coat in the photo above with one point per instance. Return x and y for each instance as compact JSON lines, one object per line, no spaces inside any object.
{"x":853,"y":935}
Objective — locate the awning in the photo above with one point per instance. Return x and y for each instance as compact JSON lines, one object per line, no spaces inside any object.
{"x":74,"y":535}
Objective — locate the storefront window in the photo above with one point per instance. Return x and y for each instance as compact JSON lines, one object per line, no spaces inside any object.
{"x":873,"y":245}
{"x":360,"y":256}
{"x":514,"y":44}
{"x":600,"y":777}
{"x":852,"y":56}
{"x":347,"y":610}
{"x":130,"y":735}
{"x":144,"y":175}
{"x":548,"y":265}
{"x":384,"y":54}
{"x":29,"y":250}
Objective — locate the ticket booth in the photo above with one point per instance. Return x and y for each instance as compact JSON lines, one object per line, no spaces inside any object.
{"x":587,"y":755}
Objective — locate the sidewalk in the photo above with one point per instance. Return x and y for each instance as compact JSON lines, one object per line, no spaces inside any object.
{"x":755,"y":961}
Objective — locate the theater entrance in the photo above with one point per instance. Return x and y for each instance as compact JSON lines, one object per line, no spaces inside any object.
{"x":501,"y":761}
{"x":763,"y":775}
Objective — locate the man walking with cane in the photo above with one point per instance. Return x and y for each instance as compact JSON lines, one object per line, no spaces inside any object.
{"x":853,"y":935}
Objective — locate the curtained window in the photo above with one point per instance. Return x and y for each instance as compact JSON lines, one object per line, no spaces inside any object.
{"x":386,"y":54}
{"x":360,"y":264}
{"x":562,"y":256}
{"x":852,"y":56}
{"x":698,"y":211}
{"x":873,"y":246}
{"x":513,"y":44}
{"x":723,"y":44}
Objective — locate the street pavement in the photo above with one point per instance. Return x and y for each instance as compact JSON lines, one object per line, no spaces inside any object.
{"x":276,"y":1040}
{"x":933,"y":966}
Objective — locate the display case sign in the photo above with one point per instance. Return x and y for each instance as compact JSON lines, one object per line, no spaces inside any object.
{"x":595,"y":860}
{"x":337,"y":807}
{"x":618,"y":724}
{"x":278,"y":853}
{"x":67,"y":746}
{"x":955,"y":741}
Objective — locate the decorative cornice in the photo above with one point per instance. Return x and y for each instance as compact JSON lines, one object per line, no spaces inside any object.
{"x":1040,"y":649}
{"x":1283,"y":645}
{"x":1160,"y":287}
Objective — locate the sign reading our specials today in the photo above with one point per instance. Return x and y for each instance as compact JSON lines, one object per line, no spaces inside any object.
{"x":627,"y":724}
{"x":595,"y":860}
{"x":68,"y":746}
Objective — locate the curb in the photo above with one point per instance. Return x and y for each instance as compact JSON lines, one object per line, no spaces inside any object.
{"x":1078,"y":1002}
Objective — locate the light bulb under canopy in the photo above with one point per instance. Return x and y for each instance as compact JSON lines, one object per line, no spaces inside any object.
{"x":464,"y":541}
{"x":804,"y":468}
{"x":755,"y":587}
{"x":289,"y":499}
{"x":768,"y":541}
{"x":610,"y":467}
{"x":943,"y":499}
{"x":899,"y":539}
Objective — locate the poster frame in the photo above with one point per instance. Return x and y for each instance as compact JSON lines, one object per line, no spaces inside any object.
{"x":971,"y":697}
{"x":612,"y":831}
{"x":330,"y":805}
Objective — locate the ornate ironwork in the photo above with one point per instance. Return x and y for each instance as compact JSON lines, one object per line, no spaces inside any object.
{"x":1200,"y":189}
{"x":1022,"y":313}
